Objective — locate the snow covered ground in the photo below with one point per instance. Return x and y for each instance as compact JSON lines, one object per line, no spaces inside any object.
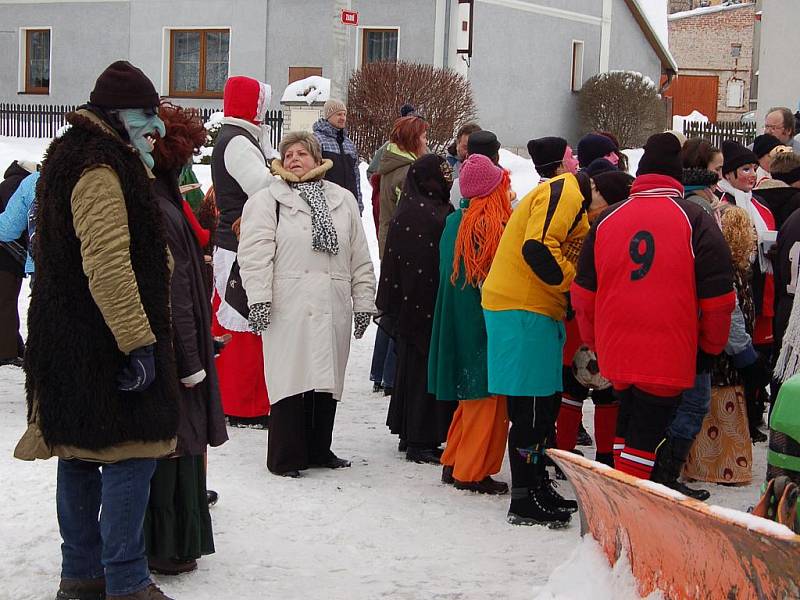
{"x":385,"y":528}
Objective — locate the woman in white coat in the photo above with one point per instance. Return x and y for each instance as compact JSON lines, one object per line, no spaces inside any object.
{"x":306,"y":268}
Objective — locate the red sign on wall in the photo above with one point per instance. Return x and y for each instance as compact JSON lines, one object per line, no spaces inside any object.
{"x":350,"y":17}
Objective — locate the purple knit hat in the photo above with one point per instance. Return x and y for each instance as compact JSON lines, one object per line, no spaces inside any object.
{"x":479,"y":176}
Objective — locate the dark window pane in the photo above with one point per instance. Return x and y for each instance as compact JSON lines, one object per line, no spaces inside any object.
{"x":186,"y":61}
{"x":38,"y":59}
{"x":381,"y":45}
{"x":216,"y":60}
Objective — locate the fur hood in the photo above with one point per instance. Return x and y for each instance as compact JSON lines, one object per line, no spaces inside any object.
{"x":314,"y":174}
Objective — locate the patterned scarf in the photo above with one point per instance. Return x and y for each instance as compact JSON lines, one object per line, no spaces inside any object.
{"x":323,"y":233}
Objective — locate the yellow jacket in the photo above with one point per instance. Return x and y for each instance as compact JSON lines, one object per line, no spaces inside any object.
{"x":530,"y":271}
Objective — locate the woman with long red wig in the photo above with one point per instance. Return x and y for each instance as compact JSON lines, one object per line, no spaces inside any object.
{"x":457,"y":363}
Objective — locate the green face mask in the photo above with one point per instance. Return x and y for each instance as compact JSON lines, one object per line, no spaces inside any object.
{"x":143,"y":123}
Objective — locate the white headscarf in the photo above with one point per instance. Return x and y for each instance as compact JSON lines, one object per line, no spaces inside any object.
{"x":745,"y":200}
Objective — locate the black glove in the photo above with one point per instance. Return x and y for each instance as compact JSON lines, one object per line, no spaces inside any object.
{"x":259,"y":316}
{"x":705,"y":361}
{"x":220,"y":342}
{"x":140,"y":371}
{"x":757,"y":374}
{"x":361,"y":322}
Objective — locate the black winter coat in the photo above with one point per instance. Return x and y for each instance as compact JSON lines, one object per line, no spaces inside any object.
{"x":201,"y":421}
{"x":11,"y":179}
{"x":782,"y":201}
{"x":786,"y":272}
{"x":72,"y":359}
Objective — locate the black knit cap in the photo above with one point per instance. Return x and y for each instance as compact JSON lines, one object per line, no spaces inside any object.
{"x":593,"y":146}
{"x":764,"y":144}
{"x":547,"y":151}
{"x":662,"y":156}
{"x":734,"y":155}
{"x":614,"y":186}
{"x":407,"y":109}
{"x":483,"y":142}
{"x":122,"y":85}
{"x":598,"y":166}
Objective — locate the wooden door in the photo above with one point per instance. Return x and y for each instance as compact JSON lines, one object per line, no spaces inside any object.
{"x":694,"y":92}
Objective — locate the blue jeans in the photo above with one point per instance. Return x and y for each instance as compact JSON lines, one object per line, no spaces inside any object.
{"x":693,"y":408}
{"x":112,"y":545}
{"x":384,"y":360}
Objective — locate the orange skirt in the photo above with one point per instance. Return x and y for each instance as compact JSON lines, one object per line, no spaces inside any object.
{"x":476,"y":441}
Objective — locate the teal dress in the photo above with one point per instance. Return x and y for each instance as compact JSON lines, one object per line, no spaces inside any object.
{"x":457,"y":367}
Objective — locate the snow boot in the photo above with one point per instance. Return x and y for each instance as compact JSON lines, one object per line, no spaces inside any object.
{"x":213,"y":497}
{"x":584,"y":439}
{"x":151,"y":592}
{"x":487,"y":485}
{"x":447,"y":475}
{"x":555,"y":500}
{"x":82,"y":589}
{"x":529,"y":508}
{"x":376,"y":388}
{"x":670,"y":457}
{"x":330,"y":462}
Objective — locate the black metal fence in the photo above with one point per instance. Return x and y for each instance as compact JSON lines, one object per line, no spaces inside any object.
{"x":44,"y":120}
{"x":716,"y":133}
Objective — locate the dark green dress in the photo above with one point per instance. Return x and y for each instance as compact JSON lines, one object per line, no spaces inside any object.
{"x":457,"y":358}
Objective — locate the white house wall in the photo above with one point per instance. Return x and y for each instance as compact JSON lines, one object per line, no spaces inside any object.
{"x":779,"y":77}
{"x":521,"y":68}
{"x":85,"y":38}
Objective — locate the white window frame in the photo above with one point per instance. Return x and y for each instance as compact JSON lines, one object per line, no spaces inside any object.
{"x":360,"y":40}
{"x":576,"y":65}
{"x":166,"y":54}
{"x":23,"y":59}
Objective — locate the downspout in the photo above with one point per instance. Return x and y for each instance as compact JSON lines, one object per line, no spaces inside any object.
{"x":446,"y":57}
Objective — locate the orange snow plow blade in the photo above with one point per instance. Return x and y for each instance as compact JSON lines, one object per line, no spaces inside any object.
{"x":679,"y":546}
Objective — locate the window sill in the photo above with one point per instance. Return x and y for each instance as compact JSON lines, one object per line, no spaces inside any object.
{"x":26,"y":93}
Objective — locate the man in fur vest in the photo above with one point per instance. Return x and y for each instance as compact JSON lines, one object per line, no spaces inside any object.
{"x":101,"y":377}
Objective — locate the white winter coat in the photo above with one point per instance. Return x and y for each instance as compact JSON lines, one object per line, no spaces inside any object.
{"x":313,"y":294}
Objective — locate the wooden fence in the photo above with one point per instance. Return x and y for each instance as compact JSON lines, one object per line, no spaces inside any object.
{"x":716,"y":133}
{"x":44,"y":120}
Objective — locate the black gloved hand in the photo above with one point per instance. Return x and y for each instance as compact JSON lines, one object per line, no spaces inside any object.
{"x":360,"y":322}
{"x":220,"y":342}
{"x":259,"y":316}
{"x":705,"y":361}
{"x":140,"y":372}
{"x":757,"y":374}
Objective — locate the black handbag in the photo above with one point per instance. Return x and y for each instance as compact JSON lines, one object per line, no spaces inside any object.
{"x":235,"y":294}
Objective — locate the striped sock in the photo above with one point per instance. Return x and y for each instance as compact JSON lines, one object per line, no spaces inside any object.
{"x":569,"y":418}
{"x":638,"y":463}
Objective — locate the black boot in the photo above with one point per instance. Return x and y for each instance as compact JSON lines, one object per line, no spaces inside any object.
{"x":213,"y":497}
{"x":607,"y":458}
{"x":447,"y":475}
{"x":556,"y":501}
{"x":423,"y":455}
{"x":528,"y":507}
{"x":670,"y":457}
{"x":82,"y":589}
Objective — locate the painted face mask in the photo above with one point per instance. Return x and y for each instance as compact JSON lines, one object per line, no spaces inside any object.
{"x":142,"y":126}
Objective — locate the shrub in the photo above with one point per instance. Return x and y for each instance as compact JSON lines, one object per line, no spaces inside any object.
{"x":378,"y":90}
{"x":625,"y":103}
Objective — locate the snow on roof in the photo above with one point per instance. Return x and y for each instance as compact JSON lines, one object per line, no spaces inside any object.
{"x":706,"y":10}
{"x":652,"y":18}
{"x":311,"y":89}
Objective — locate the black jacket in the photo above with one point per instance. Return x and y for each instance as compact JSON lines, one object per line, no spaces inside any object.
{"x":781,"y":199}
{"x":72,"y":360}
{"x":11,"y":179}
{"x":786,"y":265}
{"x":201,"y":421}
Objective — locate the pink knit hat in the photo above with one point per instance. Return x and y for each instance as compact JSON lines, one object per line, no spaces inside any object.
{"x":479,"y":176}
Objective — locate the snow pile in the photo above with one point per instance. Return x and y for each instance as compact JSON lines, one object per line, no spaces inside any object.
{"x":14,"y":148}
{"x":214,"y":121}
{"x":597,"y":579}
{"x":311,"y":89}
{"x":679,"y":121}
{"x":523,"y":174}
{"x":634,"y":156}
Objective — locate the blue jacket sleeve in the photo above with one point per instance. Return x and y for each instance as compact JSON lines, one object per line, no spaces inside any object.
{"x":14,"y":219}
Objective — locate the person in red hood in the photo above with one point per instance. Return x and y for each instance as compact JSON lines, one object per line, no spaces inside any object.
{"x":653,"y":297}
{"x":239,"y":170}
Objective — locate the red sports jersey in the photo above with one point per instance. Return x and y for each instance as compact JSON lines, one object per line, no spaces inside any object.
{"x":654,"y":283}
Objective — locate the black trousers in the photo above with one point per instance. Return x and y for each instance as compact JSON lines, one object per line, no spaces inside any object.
{"x":300,"y":431}
{"x":641,"y":425}
{"x":533,"y":422}
{"x":10,"y":340}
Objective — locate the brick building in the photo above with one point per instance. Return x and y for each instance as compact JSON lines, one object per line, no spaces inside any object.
{"x":713,"y":47}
